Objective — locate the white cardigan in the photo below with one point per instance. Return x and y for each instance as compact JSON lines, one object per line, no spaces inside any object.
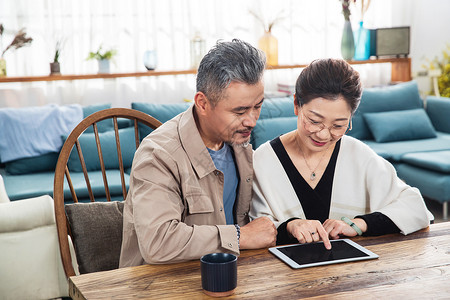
{"x":363,"y":183}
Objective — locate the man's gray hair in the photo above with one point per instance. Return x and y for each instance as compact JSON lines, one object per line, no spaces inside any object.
{"x":226,"y":62}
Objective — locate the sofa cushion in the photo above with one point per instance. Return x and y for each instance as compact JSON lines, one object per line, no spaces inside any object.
{"x":38,"y":184}
{"x":433,"y":160}
{"x":277,"y":108}
{"x":161,"y":112}
{"x":96,"y":181}
{"x":268,"y":129}
{"x":41,"y":163}
{"x":438,"y":109}
{"x":393,"y":151}
{"x":97,"y":234}
{"x":400,"y":125}
{"x":102,"y":126}
{"x":402,"y":96}
{"x":434,"y":185}
{"x":109,"y":150}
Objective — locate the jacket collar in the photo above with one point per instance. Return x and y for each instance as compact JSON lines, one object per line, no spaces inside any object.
{"x":193,"y":144}
{"x":196,"y":150}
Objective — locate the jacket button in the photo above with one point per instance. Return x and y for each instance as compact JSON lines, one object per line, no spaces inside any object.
{"x":221,"y":209}
{"x":230,"y":245}
{"x":248,"y":179}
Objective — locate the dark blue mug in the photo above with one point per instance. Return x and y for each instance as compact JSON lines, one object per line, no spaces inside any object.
{"x":219,"y":274}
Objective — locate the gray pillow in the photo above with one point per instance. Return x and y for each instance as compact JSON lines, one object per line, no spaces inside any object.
{"x":97,"y":234}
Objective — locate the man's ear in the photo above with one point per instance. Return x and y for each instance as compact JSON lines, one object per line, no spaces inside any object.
{"x":201,"y":103}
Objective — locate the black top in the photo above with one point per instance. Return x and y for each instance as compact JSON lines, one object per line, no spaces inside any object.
{"x":316,"y":202}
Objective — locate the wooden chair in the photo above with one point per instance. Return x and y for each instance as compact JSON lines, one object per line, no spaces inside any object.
{"x":84,"y":214}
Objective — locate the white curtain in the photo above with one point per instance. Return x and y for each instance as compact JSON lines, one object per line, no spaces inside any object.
{"x":305,"y":31}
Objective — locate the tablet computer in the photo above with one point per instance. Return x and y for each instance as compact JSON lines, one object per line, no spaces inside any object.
{"x":315,"y":254}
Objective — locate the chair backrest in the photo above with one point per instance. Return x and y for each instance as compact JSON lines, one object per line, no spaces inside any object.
{"x":76,"y":219}
{"x":30,"y":262}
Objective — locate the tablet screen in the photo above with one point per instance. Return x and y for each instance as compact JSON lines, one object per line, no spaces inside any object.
{"x":305,"y":255}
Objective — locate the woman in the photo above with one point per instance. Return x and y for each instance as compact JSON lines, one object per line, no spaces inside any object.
{"x":316,"y":183}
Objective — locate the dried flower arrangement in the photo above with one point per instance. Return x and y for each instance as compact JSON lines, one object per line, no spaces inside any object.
{"x":346,"y":9}
{"x":267,"y":26}
{"x":20,"y":40}
{"x":364,"y":7}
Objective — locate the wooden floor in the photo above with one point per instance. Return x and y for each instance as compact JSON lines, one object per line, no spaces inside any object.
{"x":436,"y":209}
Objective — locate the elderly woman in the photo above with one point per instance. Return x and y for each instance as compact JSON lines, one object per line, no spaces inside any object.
{"x":316,"y":183}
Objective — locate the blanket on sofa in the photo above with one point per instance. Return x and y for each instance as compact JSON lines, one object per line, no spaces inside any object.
{"x":32,"y":131}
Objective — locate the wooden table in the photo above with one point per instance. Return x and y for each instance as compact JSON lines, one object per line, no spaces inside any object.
{"x":416,"y":266}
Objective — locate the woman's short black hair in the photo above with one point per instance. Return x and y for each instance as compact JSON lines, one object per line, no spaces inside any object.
{"x":329,"y":79}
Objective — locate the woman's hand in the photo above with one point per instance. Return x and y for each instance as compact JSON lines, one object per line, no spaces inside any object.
{"x":338,"y":228}
{"x":308,"y":231}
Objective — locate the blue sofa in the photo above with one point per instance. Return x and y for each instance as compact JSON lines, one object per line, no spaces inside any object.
{"x":33,"y":176}
{"x":392,"y":120}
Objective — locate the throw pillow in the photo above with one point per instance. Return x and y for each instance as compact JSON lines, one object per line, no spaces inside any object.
{"x":97,"y":234}
{"x":161,"y":112}
{"x":402,"y":96}
{"x":109,"y":150}
{"x":268,"y":129}
{"x":401,"y":125}
{"x":277,"y":108}
{"x":102,"y":126}
{"x":41,"y":163}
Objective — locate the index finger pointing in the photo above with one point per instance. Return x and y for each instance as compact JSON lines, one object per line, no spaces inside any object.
{"x":324,"y":236}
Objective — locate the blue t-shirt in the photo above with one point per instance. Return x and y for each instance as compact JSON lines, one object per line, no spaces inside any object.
{"x":224,"y":161}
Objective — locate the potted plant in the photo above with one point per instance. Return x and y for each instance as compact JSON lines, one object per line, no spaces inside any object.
{"x":54,"y":66}
{"x":439,"y":71}
{"x":103,"y":57}
{"x":20,"y":40}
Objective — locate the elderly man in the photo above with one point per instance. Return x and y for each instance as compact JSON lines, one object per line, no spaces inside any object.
{"x":191,"y":180}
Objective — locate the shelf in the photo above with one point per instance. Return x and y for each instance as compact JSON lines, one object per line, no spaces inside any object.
{"x":401,"y":71}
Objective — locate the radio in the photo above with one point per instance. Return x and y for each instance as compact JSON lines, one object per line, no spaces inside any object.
{"x":390,"y":41}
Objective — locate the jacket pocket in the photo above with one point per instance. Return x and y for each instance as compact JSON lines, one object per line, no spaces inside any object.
{"x":199,"y":203}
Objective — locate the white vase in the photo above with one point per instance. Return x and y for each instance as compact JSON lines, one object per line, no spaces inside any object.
{"x":103,"y":66}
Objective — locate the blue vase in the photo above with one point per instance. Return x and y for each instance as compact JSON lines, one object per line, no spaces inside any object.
{"x":347,"y":42}
{"x":362,"y":43}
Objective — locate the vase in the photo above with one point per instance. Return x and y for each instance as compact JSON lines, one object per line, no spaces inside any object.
{"x":347,"y":42}
{"x":103,"y":66}
{"x":2,"y":67}
{"x":269,"y":45}
{"x":362,"y":43}
{"x":198,"y":50}
{"x":150,"y":60}
{"x":55,"y":68}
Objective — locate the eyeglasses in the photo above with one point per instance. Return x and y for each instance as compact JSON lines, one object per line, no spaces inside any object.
{"x":314,"y":127}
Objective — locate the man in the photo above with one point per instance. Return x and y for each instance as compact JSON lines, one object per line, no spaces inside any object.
{"x":191,"y":180}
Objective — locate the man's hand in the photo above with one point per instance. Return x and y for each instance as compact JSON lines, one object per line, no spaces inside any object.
{"x":260,"y":233}
{"x":308,"y":231}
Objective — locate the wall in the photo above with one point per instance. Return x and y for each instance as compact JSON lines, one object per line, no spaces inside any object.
{"x":310,"y":29}
{"x":430,"y":31}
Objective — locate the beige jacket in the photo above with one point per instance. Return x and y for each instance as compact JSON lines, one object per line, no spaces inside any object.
{"x":174,"y":208}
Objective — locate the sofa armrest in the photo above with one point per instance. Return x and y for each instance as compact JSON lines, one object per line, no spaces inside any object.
{"x":438,"y":109}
